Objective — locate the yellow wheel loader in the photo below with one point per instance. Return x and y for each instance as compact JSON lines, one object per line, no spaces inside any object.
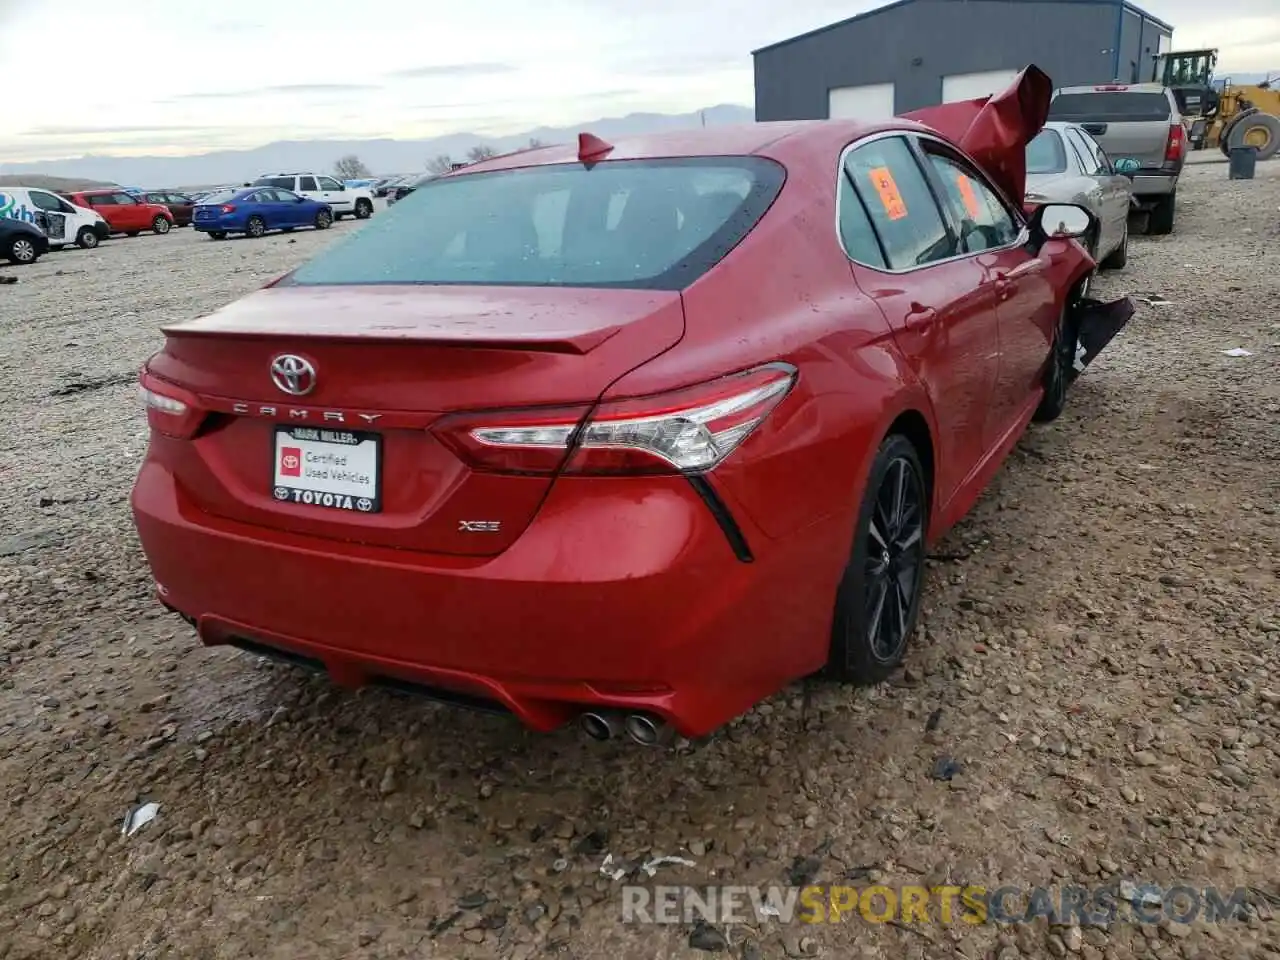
{"x":1222,"y":115}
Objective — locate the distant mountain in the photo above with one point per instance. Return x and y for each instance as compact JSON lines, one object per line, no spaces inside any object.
{"x":56,"y":184}
{"x":382,"y":156}
{"x":1246,"y":78}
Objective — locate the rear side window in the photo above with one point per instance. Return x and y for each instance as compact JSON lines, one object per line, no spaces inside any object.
{"x":286,"y":182}
{"x":649,"y":224}
{"x":220,"y":196}
{"x":901,"y":206}
{"x":1117,"y":107}
{"x":304,"y":183}
{"x":1045,"y":153}
{"x":857,"y":235}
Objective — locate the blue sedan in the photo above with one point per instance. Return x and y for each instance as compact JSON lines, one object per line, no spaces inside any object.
{"x":255,"y":210}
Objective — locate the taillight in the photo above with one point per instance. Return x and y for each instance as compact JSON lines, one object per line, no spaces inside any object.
{"x":170,"y":409}
{"x":1177,"y":142}
{"x":686,"y":431}
{"x":228,"y":208}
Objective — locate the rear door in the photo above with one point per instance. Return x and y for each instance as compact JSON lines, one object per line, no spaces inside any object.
{"x":992,"y":236}
{"x":1115,"y":188}
{"x":907,"y":258}
{"x":1128,"y":123}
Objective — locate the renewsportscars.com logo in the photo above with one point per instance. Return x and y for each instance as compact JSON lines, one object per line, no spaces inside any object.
{"x":12,"y":210}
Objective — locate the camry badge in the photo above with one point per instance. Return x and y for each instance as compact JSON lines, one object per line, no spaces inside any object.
{"x":293,"y":374}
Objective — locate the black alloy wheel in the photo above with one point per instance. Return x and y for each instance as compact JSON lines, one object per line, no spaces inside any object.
{"x":878,"y":601}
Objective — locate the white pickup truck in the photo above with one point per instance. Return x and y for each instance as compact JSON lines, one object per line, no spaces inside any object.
{"x":342,"y":200}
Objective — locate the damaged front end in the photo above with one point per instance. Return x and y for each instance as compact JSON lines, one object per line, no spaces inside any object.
{"x":1093,"y":324}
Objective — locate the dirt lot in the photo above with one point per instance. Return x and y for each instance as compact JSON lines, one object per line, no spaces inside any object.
{"x":1100,"y":638}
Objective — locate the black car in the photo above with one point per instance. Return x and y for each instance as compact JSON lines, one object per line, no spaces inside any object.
{"x":21,"y":242}
{"x":405,"y":187}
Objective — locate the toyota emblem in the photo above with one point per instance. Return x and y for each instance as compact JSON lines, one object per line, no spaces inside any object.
{"x":292,"y":374}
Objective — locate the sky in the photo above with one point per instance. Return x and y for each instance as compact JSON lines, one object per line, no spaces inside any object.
{"x":172,"y":77}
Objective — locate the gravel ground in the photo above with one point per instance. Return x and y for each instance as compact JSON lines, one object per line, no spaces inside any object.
{"x":1098,"y":654}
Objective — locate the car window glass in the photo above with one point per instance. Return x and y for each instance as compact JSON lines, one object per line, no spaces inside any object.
{"x":44,"y":201}
{"x":327,"y":183}
{"x":1095,"y":161}
{"x":1045,"y":153}
{"x":307,"y":183}
{"x":896,"y":194}
{"x":1107,"y":106}
{"x":985,"y":222}
{"x":641,"y":224}
{"x":857,"y":235}
{"x":126,"y":199}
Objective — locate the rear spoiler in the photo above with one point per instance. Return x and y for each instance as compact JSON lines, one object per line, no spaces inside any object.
{"x":995,"y":130}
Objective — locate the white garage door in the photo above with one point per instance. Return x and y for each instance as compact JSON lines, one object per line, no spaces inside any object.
{"x":971,"y":86}
{"x":872,"y":101}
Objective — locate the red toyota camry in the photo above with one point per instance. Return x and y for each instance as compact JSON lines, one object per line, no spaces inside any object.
{"x":633,"y":434}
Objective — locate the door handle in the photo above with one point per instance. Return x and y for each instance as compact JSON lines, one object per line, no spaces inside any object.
{"x":920,"y":319}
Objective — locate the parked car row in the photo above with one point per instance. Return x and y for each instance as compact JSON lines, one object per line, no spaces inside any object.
{"x":280,"y":201}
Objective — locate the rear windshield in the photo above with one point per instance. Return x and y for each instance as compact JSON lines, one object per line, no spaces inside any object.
{"x":654,"y":224}
{"x":1117,"y":107}
{"x":1045,"y":154}
{"x":220,"y":196}
{"x":285,"y":182}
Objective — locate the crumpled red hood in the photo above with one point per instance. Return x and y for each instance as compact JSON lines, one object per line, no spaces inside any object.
{"x":995,"y":130}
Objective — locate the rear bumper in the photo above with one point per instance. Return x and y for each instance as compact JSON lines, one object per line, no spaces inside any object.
{"x":615,"y":596}
{"x":1154,"y":185}
{"x":216,"y":226}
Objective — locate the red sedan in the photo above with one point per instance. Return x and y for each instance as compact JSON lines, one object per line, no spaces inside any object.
{"x":635,"y":434}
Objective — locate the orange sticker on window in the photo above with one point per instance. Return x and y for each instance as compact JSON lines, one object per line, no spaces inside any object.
{"x":967,"y":195}
{"x":890,"y":198}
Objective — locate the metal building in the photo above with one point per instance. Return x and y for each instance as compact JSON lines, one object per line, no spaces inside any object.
{"x":917,"y":53}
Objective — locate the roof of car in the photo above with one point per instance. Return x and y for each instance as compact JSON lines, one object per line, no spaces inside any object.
{"x":1113,"y":87}
{"x":719,"y":141}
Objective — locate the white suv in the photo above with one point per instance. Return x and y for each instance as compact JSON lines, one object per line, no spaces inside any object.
{"x":342,"y":200}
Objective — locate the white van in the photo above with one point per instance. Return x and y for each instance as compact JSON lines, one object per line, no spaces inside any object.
{"x":59,"y":218}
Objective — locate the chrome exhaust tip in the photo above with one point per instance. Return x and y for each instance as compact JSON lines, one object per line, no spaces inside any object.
{"x":643,"y":730}
{"x":596,"y":726}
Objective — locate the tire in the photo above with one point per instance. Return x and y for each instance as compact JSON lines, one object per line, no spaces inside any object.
{"x":22,"y":251}
{"x":1257,"y":124}
{"x":1119,"y":257}
{"x":364,"y":209}
{"x":1057,"y":374}
{"x":338,"y":216}
{"x":86,"y":239}
{"x":324,"y":220}
{"x":256,"y":227}
{"x":885,"y":571}
{"x":217,"y":235}
{"x":1161,"y":219}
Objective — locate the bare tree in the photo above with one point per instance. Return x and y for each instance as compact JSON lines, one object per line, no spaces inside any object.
{"x":481,"y":152}
{"x":439,"y":164}
{"x":350,"y":167}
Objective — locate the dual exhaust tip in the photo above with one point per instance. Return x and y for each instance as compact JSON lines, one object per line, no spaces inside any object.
{"x":640,"y":727}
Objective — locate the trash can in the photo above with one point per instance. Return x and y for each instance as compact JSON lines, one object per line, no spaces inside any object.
{"x":1243,"y":160}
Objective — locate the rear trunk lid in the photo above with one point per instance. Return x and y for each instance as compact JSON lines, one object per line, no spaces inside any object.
{"x":386,"y":362}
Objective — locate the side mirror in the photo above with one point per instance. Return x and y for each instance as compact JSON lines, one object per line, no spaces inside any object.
{"x":1061,"y":221}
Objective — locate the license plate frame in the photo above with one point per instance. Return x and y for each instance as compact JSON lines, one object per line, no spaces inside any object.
{"x":338,"y":493}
